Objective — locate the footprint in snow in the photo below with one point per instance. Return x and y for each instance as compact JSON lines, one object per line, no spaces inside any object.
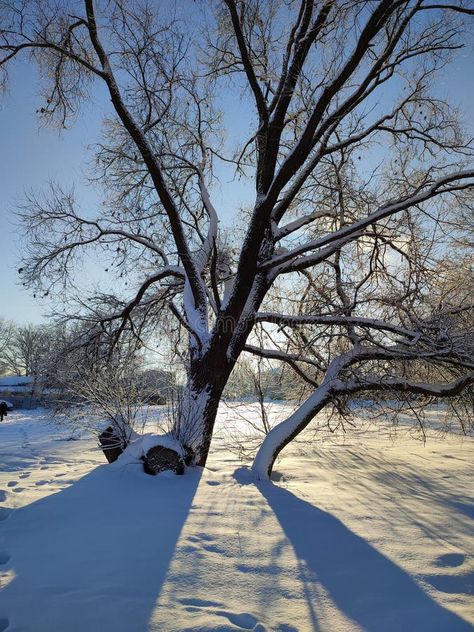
{"x":201,"y":603}
{"x":12,"y":483}
{"x":450,"y":559}
{"x":243,"y":620}
{"x":4,"y":557}
{"x":205,"y":536}
{"x":453,"y":584}
{"x":212,"y":548}
{"x":200,"y":537}
{"x":213,"y":483}
{"x":25,"y":475}
{"x":191,"y":549}
{"x":18,"y":489}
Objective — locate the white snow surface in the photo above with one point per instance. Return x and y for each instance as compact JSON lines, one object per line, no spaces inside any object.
{"x":369,"y":531}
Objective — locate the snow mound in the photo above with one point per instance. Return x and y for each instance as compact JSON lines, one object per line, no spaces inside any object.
{"x":139,"y":447}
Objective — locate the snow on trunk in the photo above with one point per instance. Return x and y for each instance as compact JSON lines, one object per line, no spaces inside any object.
{"x":194,"y":423}
{"x":287,"y":430}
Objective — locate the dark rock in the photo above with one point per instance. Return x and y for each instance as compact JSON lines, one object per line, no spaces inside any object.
{"x":111,"y":444}
{"x":158,"y":458}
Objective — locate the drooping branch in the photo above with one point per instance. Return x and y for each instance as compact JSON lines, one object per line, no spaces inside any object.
{"x":331,"y":387}
{"x":440,"y":390}
{"x":150,"y":160}
{"x":289,"y":358}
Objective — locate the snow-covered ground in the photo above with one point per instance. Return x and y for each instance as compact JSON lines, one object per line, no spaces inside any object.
{"x":363,"y":532}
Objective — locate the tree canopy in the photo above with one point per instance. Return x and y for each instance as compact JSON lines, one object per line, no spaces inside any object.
{"x":360,"y":178}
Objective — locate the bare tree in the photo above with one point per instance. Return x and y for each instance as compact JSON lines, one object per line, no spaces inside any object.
{"x":91,"y":391}
{"x":6,"y":334}
{"x":26,"y":348}
{"x":356,"y":170}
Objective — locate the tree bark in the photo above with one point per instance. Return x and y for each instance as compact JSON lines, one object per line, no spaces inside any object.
{"x":198,"y":405}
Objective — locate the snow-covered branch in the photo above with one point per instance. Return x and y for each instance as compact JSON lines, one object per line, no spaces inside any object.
{"x":340,"y":320}
{"x":450,"y":183}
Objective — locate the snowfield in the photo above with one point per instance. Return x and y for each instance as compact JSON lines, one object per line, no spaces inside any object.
{"x":367,"y":531}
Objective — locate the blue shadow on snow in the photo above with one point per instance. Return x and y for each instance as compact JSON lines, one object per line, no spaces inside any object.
{"x":365,"y":585}
{"x":94,"y":556}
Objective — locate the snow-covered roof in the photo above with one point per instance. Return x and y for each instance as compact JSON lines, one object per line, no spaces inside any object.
{"x":16,"y":380}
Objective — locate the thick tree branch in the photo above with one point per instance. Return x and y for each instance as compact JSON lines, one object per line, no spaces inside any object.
{"x":151,"y":162}
{"x":345,"y":234}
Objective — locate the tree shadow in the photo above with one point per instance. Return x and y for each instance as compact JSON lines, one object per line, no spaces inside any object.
{"x":95,"y":555}
{"x":365,"y":585}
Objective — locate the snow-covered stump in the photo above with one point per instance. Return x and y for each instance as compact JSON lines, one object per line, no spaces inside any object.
{"x":160,"y":458}
{"x":111,"y":444}
{"x":157,"y":453}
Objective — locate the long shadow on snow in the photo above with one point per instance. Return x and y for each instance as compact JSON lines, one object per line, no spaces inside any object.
{"x":95,"y":555}
{"x":364,"y":584}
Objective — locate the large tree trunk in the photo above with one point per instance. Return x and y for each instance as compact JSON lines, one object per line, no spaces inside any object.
{"x":198,"y":405}
{"x":207,"y":377}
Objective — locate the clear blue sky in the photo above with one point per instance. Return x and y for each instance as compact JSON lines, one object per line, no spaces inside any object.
{"x":32,"y":155}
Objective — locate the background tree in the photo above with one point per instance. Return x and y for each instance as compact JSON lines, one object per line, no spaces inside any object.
{"x":6,"y":330}
{"x":91,"y":387}
{"x":355,"y":167}
{"x":93,"y":391}
{"x":26,"y":349}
